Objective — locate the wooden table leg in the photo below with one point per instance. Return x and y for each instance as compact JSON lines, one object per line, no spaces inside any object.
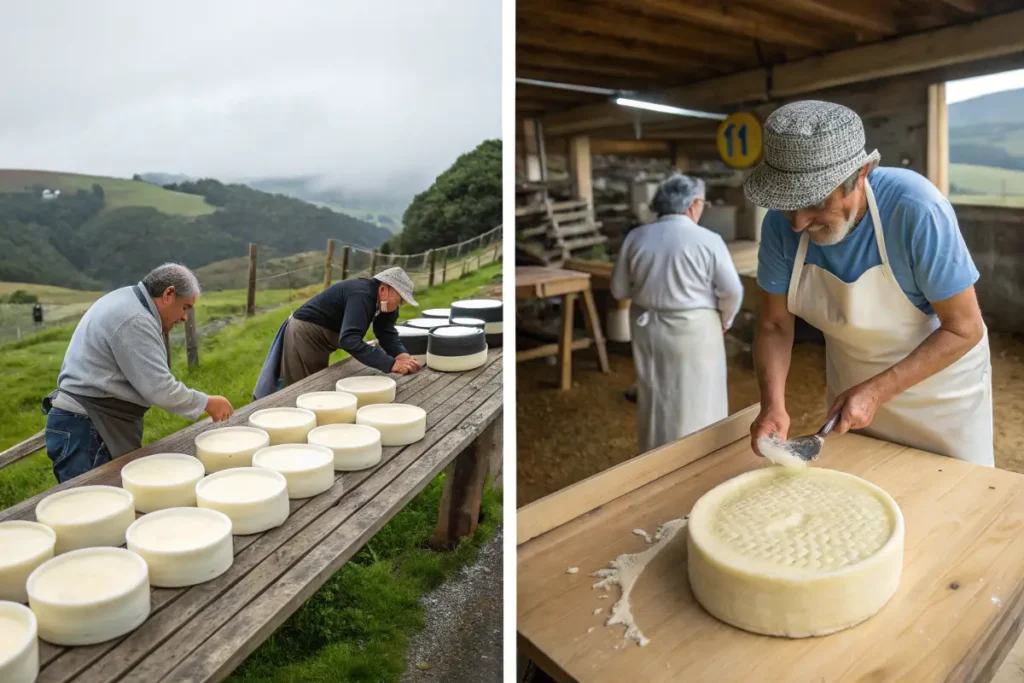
{"x":463,"y":490}
{"x":594,"y":329}
{"x":565,"y":340}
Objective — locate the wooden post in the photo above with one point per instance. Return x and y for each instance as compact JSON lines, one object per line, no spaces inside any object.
{"x":463,"y":490}
{"x":167,"y":347}
{"x":444,"y":267}
{"x":250,"y":305}
{"x":431,"y":261}
{"x":373,"y":263}
{"x":937,"y":161}
{"x":344,"y":262}
{"x":329,"y":263}
{"x":580,"y":169}
{"x":497,"y":251}
{"x":565,"y":341}
{"x":191,"y":339}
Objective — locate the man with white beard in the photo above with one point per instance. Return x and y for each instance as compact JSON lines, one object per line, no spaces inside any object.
{"x":873,"y":257}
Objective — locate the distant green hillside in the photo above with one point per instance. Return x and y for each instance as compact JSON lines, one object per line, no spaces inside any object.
{"x":988,"y":131}
{"x":118,"y":192}
{"x":104,"y":233}
{"x":985,"y":185}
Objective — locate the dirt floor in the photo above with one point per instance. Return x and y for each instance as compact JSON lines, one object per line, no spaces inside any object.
{"x":563,"y":437}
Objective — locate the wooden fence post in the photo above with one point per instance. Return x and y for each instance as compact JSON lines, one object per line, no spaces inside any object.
{"x":344,"y":262}
{"x":329,"y":263}
{"x":250,"y":305}
{"x":497,"y":251}
{"x":373,"y":263}
{"x":191,"y":339}
{"x":431,"y":261}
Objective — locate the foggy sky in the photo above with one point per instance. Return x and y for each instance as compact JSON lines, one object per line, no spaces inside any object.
{"x":372,"y":93}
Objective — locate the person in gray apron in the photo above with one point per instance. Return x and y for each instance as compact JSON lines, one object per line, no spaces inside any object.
{"x":685,"y":293}
{"x":115,"y":368}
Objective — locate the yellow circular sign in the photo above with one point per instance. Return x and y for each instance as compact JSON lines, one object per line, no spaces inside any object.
{"x":739,"y":140}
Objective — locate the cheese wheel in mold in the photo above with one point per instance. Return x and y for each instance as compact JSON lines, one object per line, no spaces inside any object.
{"x":414,"y":339}
{"x":227,"y":447}
{"x":444,"y":313}
{"x":399,"y":424}
{"x":87,"y":516}
{"x":456,"y":348}
{"x":488,"y":310}
{"x":23,"y":547}
{"x":182,"y":546}
{"x":89,"y":596}
{"x":162,"y":480}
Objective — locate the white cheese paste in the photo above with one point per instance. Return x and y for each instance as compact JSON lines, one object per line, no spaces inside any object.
{"x":795,"y":553}
{"x":775,"y":450}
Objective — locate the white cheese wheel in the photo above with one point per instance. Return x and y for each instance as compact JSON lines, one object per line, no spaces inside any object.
{"x":355,"y":446}
{"x":23,"y":547}
{"x":330,"y":407}
{"x":399,"y":424}
{"x":87,"y":516}
{"x":284,"y":425}
{"x":89,"y":596}
{"x":369,"y":389}
{"x":183,"y":546}
{"x":227,"y":447}
{"x":19,"y":644}
{"x":795,"y":553}
{"x":308,"y":468}
{"x":254,"y":498}
{"x":444,"y":313}
{"x":456,"y":363}
{"x":163,"y":480}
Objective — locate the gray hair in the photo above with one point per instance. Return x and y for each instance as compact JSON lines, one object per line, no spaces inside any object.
{"x":175,"y":275}
{"x":676,"y":194}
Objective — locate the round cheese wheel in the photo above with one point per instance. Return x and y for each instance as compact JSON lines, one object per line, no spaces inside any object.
{"x":488,"y":310}
{"x":23,"y":547}
{"x":182,"y":546}
{"x":284,"y":425}
{"x":308,"y":468}
{"x":330,"y":407}
{"x":399,"y":424}
{"x":437,"y":313}
{"x":89,"y":596}
{"x":456,"y":348}
{"x":469,"y":322}
{"x":369,"y":389}
{"x":426,"y":323}
{"x":254,"y":499}
{"x":355,"y":446}
{"x":19,"y":644}
{"x":414,"y":339}
{"x":795,"y":553}
{"x":164,"y":480}
{"x":87,"y":516}
{"x":226,"y":447}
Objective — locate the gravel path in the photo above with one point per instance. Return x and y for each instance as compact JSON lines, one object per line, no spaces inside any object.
{"x":462,"y":641}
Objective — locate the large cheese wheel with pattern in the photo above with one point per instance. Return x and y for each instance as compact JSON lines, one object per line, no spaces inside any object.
{"x":19,"y":644}
{"x":795,"y":553}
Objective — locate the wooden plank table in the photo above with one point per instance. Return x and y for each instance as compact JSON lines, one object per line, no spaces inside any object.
{"x":202,"y":633}
{"x":955,"y":616}
{"x":539,"y":282}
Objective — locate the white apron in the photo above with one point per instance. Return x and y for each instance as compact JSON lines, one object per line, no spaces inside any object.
{"x":681,"y":373}
{"x":869,"y":326}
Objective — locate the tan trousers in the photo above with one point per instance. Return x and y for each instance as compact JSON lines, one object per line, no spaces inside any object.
{"x":307,"y":350}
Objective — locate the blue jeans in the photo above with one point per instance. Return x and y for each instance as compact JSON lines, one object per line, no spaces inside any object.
{"x":73,"y":444}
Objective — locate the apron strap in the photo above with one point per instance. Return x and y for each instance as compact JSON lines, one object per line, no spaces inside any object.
{"x":876,"y":223}
{"x":798,"y":267}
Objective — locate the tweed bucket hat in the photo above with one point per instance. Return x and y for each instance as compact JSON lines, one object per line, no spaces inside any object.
{"x":398,"y":281}
{"x":810,"y":148}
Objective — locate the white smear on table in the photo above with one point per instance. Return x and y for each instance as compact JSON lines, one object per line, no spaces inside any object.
{"x":996,"y":601}
{"x":602,"y":597}
{"x":598,"y":610}
{"x":775,"y":450}
{"x":590,"y":630}
{"x":646,"y":536}
{"x":572,"y":570}
{"x":625,"y":569}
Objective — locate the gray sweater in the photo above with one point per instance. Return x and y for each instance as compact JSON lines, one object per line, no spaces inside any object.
{"x":118,"y":351}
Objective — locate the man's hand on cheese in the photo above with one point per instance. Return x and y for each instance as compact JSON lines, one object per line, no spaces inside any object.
{"x":771,"y":421}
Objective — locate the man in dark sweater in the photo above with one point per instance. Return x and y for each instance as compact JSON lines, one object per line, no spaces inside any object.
{"x":339,"y":317}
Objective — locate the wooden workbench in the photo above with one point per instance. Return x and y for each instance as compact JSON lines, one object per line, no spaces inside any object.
{"x":200,"y":634}
{"x":955,"y":616}
{"x":539,"y":282}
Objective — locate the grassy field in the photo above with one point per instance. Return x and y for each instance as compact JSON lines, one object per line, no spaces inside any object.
{"x":118,"y":192}
{"x":986,"y":185}
{"x":356,"y":627}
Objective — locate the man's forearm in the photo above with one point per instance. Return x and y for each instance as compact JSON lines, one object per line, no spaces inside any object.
{"x":773,"y":349}
{"x":938,"y":351}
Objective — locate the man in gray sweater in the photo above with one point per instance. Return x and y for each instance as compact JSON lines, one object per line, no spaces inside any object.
{"x":116,"y":368}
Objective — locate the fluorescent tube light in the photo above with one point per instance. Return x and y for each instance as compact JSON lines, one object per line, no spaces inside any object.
{"x":666,"y":109}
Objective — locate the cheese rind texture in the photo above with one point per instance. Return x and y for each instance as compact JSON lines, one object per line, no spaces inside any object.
{"x":795,"y":553}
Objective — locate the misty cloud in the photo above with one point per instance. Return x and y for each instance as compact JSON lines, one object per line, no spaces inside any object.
{"x":371,"y":95}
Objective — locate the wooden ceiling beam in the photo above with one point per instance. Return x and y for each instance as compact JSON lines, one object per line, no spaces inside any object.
{"x":966,"y":6}
{"x":741,"y":21}
{"x":632,"y":148}
{"x":537,"y":92}
{"x":577,"y":77}
{"x":610,"y":22}
{"x":854,"y":16}
{"x":543,"y":59}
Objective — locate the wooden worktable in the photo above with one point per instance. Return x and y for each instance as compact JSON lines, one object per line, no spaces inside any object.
{"x":954,"y":617}
{"x":202,"y":633}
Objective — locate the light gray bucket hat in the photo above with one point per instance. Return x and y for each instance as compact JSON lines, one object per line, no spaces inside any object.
{"x":398,"y":281}
{"x":810,"y":148}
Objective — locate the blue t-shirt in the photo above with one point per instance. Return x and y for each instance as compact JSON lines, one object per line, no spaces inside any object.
{"x":926,"y":251}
